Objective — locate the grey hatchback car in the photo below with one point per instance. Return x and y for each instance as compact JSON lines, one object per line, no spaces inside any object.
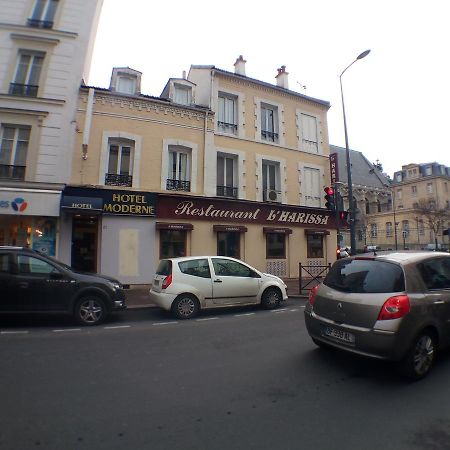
{"x":388,"y":305}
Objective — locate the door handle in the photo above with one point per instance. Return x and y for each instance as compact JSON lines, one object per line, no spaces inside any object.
{"x":217,"y":280}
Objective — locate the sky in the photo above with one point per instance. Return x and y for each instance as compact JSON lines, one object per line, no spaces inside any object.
{"x":396,"y":99}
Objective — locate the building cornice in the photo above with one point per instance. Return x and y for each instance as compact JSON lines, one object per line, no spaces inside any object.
{"x":34,"y":100}
{"x":30,"y":32}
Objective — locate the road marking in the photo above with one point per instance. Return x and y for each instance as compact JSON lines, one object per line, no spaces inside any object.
{"x":164,"y":323}
{"x":244,"y":314}
{"x":207,"y":318}
{"x":67,"y":329}
{"x":279,"y":310}
{"x":295,"y":309}
{"x":116,"y":327}
{"x":14,"y":332}
{"x":303,"y":306}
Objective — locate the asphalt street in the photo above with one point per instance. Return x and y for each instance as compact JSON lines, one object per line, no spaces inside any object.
{"x":234,"y":379}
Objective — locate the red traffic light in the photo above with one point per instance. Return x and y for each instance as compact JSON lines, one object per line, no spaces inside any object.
{"x":329,"y":190}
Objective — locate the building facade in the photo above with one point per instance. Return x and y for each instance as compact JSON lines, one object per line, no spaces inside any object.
{"x":45,"y":51}
{"x":237,"y":167}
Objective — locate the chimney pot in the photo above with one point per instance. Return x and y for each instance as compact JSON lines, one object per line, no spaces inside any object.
{"x":282,"y":78}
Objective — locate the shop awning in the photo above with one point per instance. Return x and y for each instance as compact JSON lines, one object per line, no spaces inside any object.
{"x":174,"y":226}
{"x":230,"y":228}
{"x":317,"y":232}
{"x":279,"y":230}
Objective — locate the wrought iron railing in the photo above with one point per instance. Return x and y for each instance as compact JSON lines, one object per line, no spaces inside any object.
{"x":40,"y":23}
{"x":178,"y":185}
{"x":27,"y":90}
{"x":227,"y":191}
{"x":269,"y":135}
{"x":227,"y":127}
{"x":12,"y":172}
{"x":114,"y":179}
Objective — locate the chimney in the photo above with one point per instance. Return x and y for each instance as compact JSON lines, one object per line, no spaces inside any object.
{"x":239,"y":66}
{"x":282,"y":78}
{"x":184,"y":75}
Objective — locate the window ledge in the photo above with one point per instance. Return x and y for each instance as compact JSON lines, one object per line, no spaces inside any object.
{"x":49,"y":101}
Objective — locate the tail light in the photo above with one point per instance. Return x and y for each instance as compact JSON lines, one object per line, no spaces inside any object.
{"x":167,"y":282}
{"x":394,"y":308}
{"x":312,"y":295}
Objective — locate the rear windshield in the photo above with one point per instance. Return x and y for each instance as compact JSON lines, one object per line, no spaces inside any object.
{"x":164,"y":267}
{"x":365,"y":276}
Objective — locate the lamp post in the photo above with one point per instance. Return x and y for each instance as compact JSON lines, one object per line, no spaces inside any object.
{"x":347,"y":153}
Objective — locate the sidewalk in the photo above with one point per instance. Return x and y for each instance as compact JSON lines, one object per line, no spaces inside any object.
{"x":137,"y":295}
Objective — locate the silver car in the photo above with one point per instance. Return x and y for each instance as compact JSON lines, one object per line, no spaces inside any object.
{"x":387,"y":305}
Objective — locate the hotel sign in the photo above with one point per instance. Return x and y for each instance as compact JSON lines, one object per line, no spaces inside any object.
{"x":211,"y":209}
{"x":334,"y":168}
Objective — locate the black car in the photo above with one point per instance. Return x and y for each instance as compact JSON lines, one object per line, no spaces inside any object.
{"x":33,"y":282}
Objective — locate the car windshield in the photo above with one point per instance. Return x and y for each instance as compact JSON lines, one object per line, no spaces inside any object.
{"x":164,"y":267}
{"x":365,"y":276}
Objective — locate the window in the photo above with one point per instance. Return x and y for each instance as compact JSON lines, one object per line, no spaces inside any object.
{"x":269,"y":123}
{"x":421,"y":227}
{"x":182,"y":94}
{"x":311,"y":187}
{"x":227,"y":114}
{"x":367,"y":205}
{"x":226,"y":267}
{"x":436,"y":273}
{"x":398,"y":177}
{"x":195,"y":267}
{"x":126,"y":85}
{"x":179,"y":169}
{"x":43,"y":14}
{"x":428,"y":170}
{"x":275,"y":246}
{"x":309,"y":133}
{"x":388,"y":229}
{"x":228,"y":243}
{"x":172,"y":243}
{"x":120,"y":163}
{"x":226,"y":176}
{"x":373,"y":230}
{"x":4,"y":262}
{"x":414,"y":190}
{"x":271,"y":175}
{"x":28,"y":71}
{"x":429,"y":188}
{"x":399,"y":193}
{"x":314,"y":246}
{"x":32,"y":265}
{"x":13,"y":151}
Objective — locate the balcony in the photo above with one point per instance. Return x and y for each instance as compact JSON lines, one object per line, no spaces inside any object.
{"x":12,"y":172}
{"x":40,"y":23}
{"x":114,"y":179}
{"x":269,"y":136}
{"x":227,"y":127}
{"x":25,"y":90}
{"x":178,"y":185}
{"x":226,"y":191}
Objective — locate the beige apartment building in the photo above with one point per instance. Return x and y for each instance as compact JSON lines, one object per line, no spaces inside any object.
{"x":219,"y":163}
{"x":403,"y":225}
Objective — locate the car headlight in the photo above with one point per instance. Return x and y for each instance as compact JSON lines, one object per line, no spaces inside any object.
{"x":115,"y":285}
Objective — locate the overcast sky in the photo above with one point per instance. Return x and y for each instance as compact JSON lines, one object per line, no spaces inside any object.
{"x":397,"y":98}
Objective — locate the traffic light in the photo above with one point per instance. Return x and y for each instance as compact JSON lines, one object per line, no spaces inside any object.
{"x":343,"y":218}
{"x":338,"y":252}
{"x":329,"y":198}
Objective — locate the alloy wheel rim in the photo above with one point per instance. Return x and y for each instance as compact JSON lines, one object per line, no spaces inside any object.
{"x":90,"y":311}
{"x":423,"y":355}
{"x":186,"y":306}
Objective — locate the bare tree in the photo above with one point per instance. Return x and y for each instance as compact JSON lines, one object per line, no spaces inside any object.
{"x":434,"y":216}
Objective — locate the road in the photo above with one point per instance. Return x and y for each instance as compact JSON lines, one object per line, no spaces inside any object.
{"x":237,"y":379}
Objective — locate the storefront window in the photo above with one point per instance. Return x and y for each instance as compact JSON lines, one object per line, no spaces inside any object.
{"x":228,"y":244}
{"x":38,"y":233}
{"x":275,"y":245}
{"x":315,"y":246}
{"x":172,"y":243}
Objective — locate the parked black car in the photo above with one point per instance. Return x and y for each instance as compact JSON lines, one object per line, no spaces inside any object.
{"x":33,"y":282}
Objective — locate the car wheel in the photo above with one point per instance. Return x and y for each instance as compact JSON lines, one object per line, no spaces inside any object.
{"x":185,"y":306}
{"x":420,"y":357}
{"x":90,"y":310}
{"x":271,"y":298}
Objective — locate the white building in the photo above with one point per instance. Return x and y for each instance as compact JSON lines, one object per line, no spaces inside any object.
{"x":45,"y":52}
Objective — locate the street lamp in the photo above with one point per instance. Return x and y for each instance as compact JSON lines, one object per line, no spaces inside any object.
{"x":347,"y":153}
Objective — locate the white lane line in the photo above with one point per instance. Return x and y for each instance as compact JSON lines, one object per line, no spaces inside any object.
{"x":14,"y":332}
{"x":116,"y":327}
{"x":207,"y":318}
{"x":279,"y":310}
{"x":164,"y":323}
{"x":295,"y":309}
{"x":244,"y":314}
{"x":67,"y":329}
{"x":302,"y":306}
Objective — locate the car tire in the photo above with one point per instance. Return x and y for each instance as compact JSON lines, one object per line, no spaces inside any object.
{"x":90,"y":310}
{"x":185,"y":306}
{"x":271,"y":298}
{"x":421,"y":356}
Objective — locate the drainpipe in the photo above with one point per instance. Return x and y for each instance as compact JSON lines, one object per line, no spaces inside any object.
{"x":87,"y":123}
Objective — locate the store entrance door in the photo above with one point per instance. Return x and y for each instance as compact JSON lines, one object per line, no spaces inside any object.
{"x":84,"y":243}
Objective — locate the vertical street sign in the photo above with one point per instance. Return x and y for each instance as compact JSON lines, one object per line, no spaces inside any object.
{"x":334,"y":168}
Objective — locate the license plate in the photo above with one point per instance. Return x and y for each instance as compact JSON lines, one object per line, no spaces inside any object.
{"x":339,"y":335}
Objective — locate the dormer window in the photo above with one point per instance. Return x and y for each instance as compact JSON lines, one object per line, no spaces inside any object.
{"x":126,"y":81}
{"x":179,"y":90}
{"x":126,"y":85}
{"x":43,"y":14}
{"x":182,"y":94}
